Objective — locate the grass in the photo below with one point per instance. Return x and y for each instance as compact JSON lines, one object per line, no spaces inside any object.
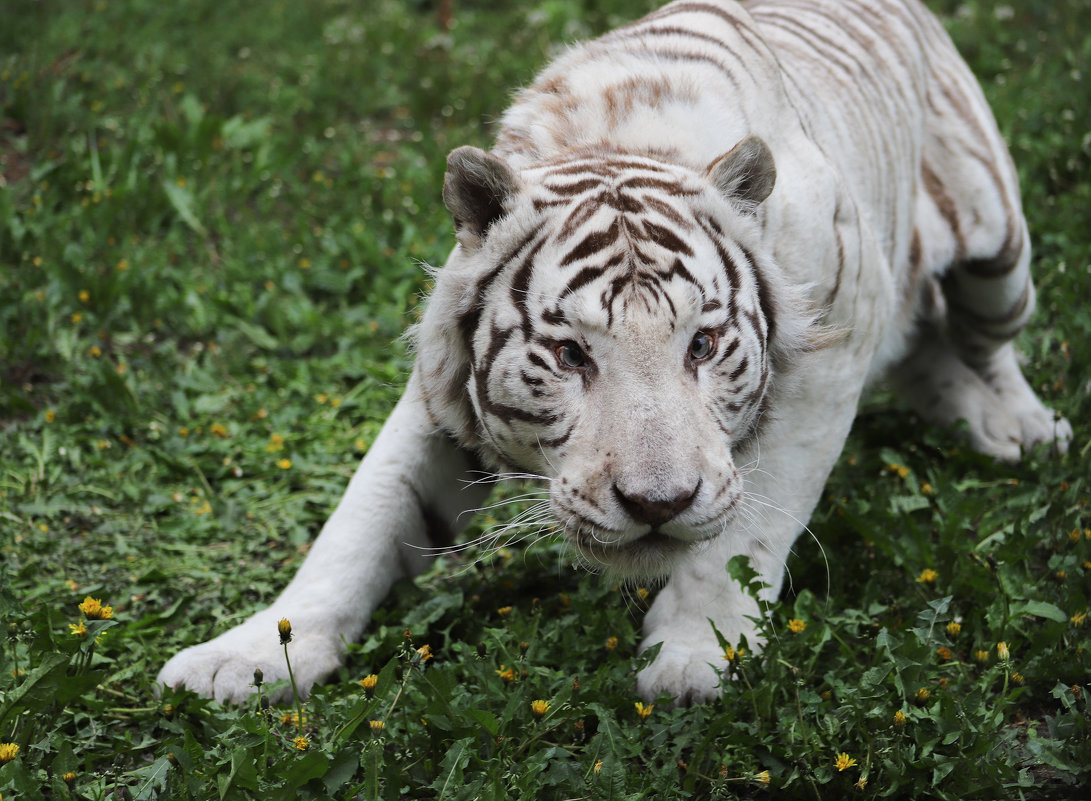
{"x":211,"y":222}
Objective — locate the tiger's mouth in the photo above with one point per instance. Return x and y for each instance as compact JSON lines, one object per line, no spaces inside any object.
{"x":649,"y":555}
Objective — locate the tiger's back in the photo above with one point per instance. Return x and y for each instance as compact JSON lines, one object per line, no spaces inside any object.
{"x":878,"y":89}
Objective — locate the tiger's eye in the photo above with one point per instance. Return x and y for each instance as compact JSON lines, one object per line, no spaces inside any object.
{"x":701,"y":346}
{"x":571,"y":355}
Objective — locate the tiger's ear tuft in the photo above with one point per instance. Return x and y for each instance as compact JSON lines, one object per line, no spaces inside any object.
{"x":475,"y":190}
{"x":745,"y":175}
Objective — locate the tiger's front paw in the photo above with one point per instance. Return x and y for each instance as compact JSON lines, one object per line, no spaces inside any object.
{"x":686,"y":671}
{"x":223,"y":668}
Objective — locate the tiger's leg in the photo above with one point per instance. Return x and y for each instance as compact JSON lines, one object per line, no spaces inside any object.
{"x":965,"y":366}
{"x":409,"y":493}
{"x":784,"y":474}
{"x":972,"y":239}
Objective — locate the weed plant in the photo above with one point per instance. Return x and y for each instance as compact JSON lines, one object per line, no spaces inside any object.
{"x":212,"y":223}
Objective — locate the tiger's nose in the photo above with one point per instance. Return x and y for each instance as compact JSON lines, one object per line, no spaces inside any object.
{"x":655,"y":511}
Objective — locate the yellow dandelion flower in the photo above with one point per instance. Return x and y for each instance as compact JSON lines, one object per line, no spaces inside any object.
{"x":861,"y":783}
{"x":425,"y":653}
{"x":506,"y":673}
{"x":539,"y":707}
{"x":954,"y":628}
{"x":284,"y":629}
{"x":77,"y":629}
{"x":376,"y":726}
{"x":730,"y":654}
{"x":218,"y":430}
{"x":76,"y":318}
{"x":50,"y":415}
{"x":943,"y":652}
{"x":1002,"y":652}
{"x":795,"y":625}
{"x":643,"y":711}
{"x":598,"y":767}
{"x":764,"y":777}
{"x":1078,"y":619}
{"x":981,"y":655}
{"x":93,"y":609}
{"x":642,"y":593}
{"x":302,"y":743}
{"x":95,"y":351}
{"x":69,"y":777}
{"x":1016,"y":677}
{"x":368,"y":683}
{"x":8,"y":751}
{"x":284,"y":464}
{"x":899,"y":720}
{"x":84,"y":296}
{"x":923,"y":694}
{"x":611,"y":643}
{"x":1061,"y":575}
{"x":928,"y":576}
{"x":504,"y":611}
{"x":843,"y":761}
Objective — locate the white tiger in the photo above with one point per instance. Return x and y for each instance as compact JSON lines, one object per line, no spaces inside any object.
{"x":696,"y":240}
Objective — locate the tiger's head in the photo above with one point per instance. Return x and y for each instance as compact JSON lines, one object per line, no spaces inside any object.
{"x":612,"y":322}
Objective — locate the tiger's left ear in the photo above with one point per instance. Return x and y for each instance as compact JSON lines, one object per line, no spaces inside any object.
{"x":475,"y":190}
{"x":745,"y":175}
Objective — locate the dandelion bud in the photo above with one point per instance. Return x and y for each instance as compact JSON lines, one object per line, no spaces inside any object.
{"x":899,"y":720}
{"x":168,"y":711}
{"x":1002,"y":651}
{"x":481,"y":651}
{"x":70,"y":777}
{"x":284,"y":628}
{"x":259,"y":677}
{"x":923,"y":694}
{"x":171,"y":758}
{"x":953,"y":628}
{"x":376,"y":727}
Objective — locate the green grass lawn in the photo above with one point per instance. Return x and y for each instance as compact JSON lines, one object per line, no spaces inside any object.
{"x":213,"y":219}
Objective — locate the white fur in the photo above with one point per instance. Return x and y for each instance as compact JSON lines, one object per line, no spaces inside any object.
{"x":880,"y":187}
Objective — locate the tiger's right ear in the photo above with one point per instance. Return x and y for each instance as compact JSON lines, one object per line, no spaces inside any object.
{"x":475,"y":190}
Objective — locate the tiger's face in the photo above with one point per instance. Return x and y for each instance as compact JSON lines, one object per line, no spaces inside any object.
{"x":613,"y":323}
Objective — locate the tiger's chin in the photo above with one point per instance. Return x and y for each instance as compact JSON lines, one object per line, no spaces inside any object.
{"x":649,"y":556}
